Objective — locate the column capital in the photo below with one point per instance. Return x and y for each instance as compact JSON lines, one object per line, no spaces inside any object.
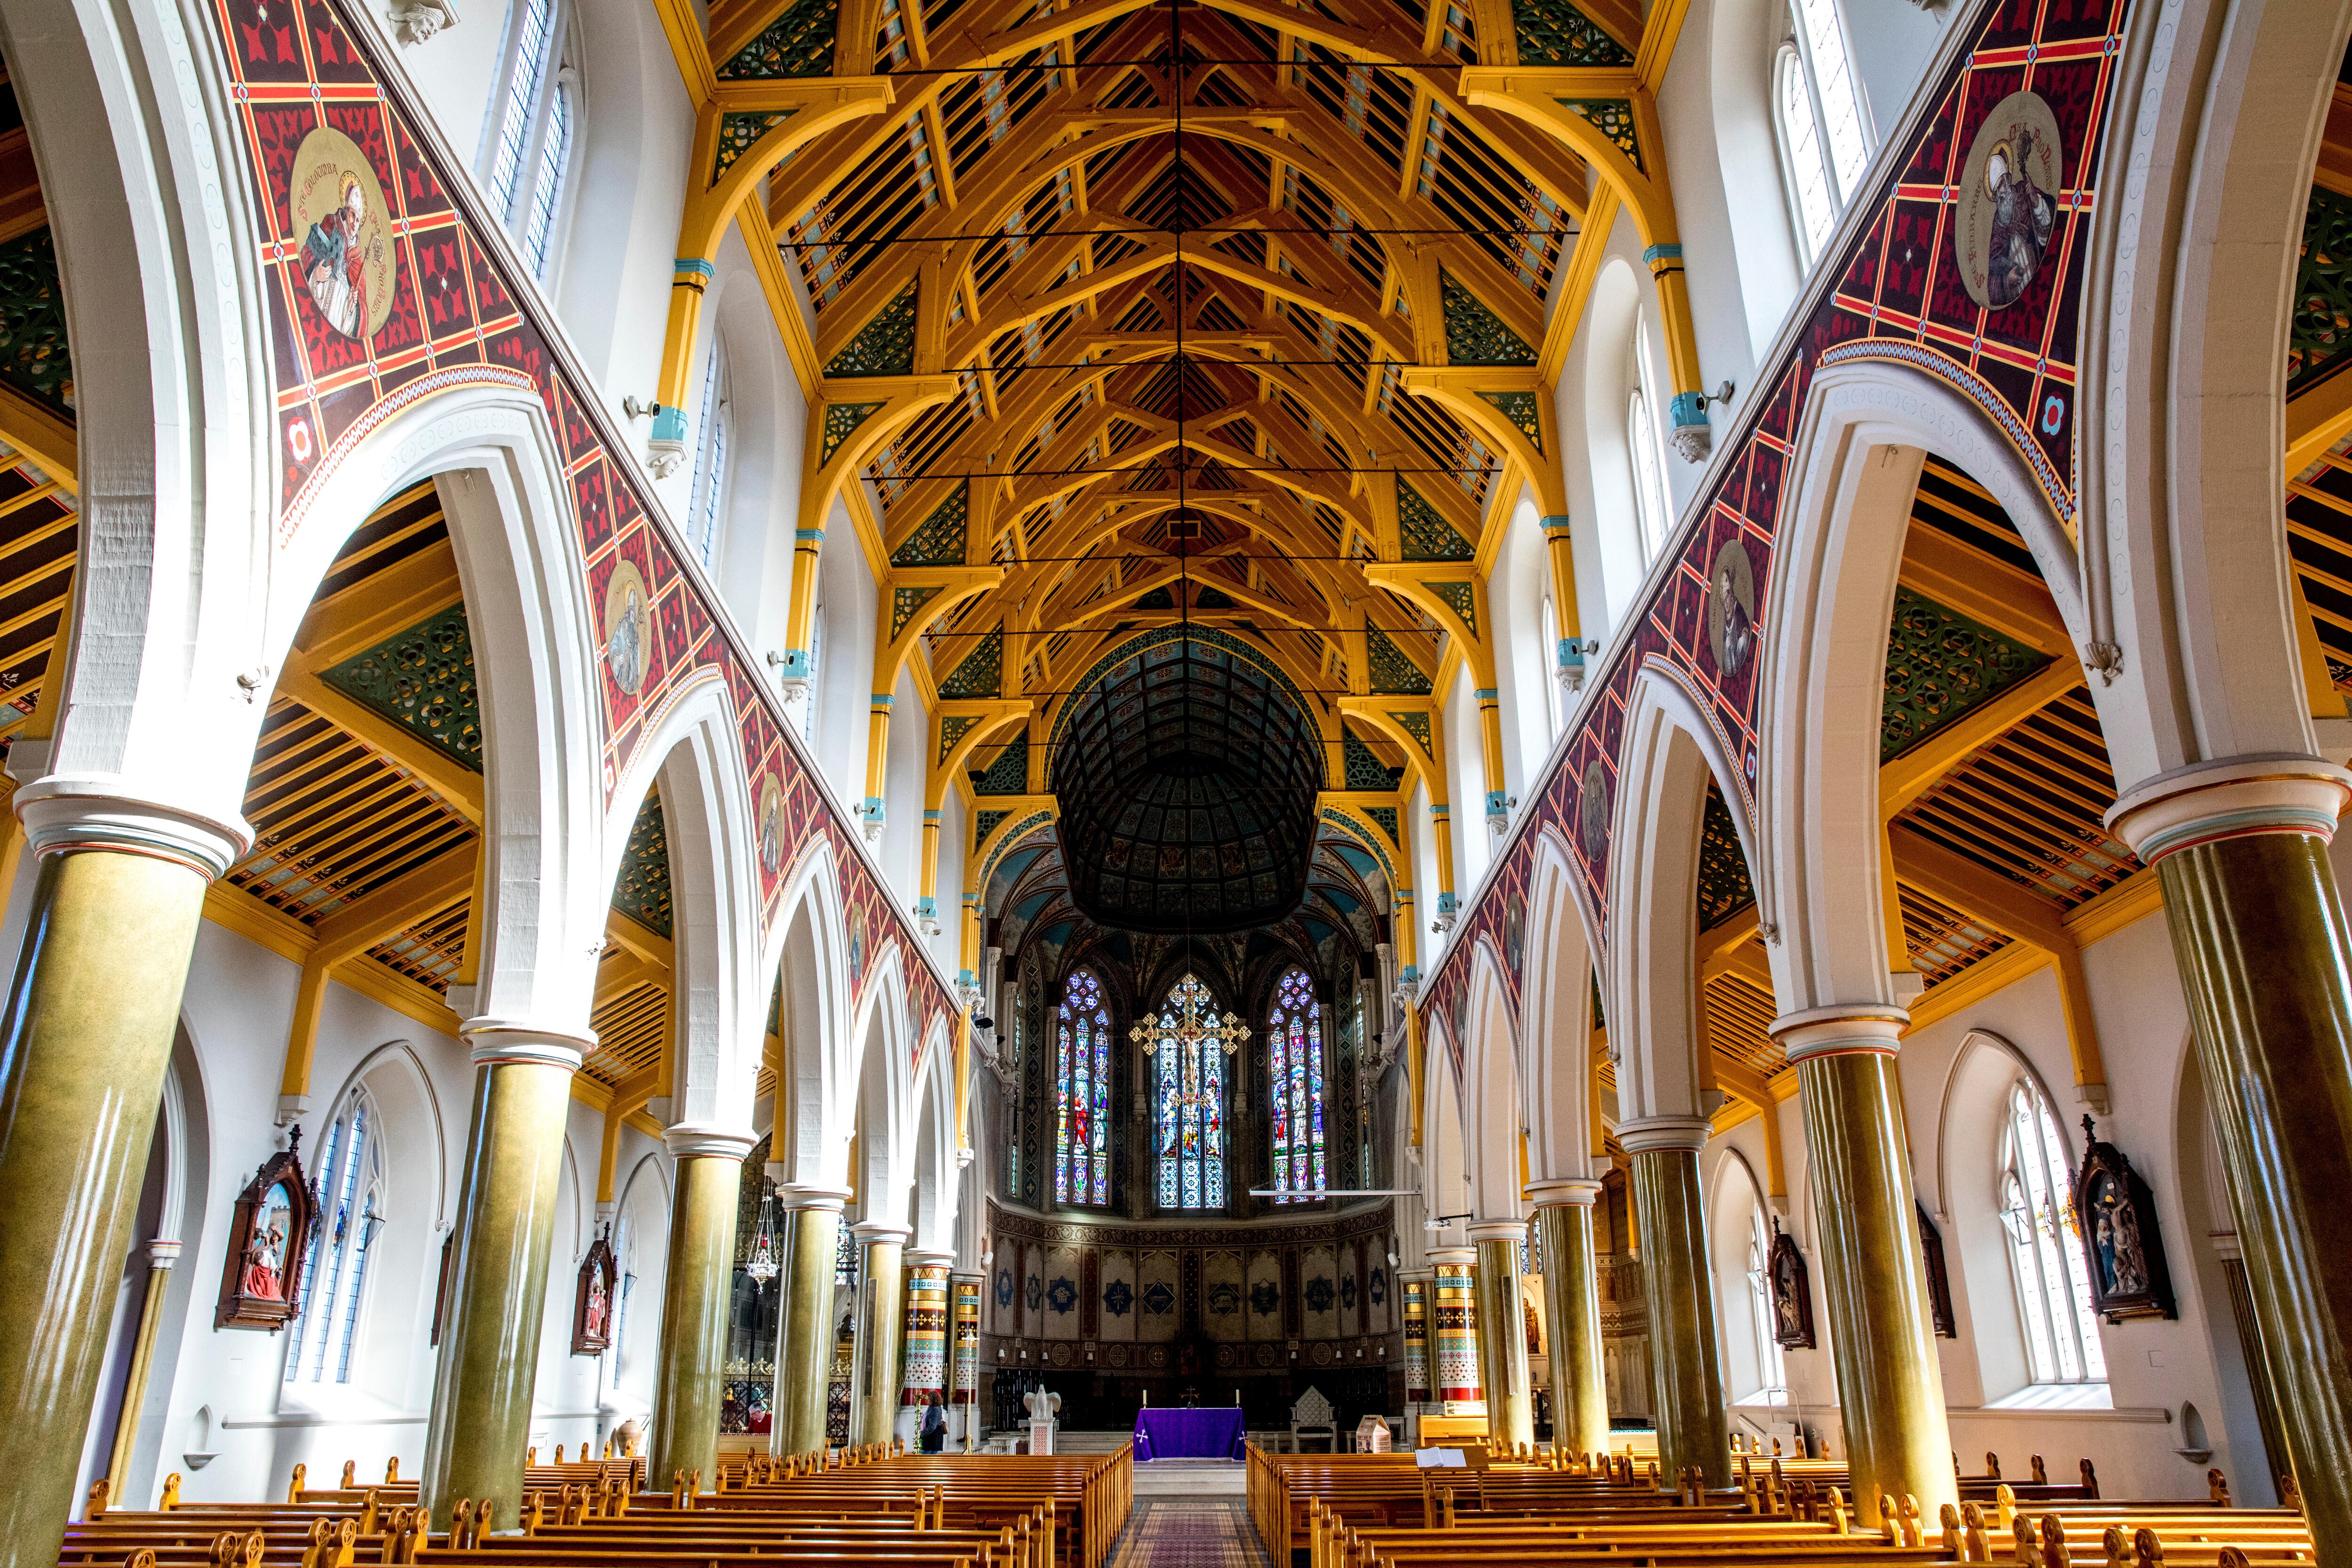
{"x":1554,"y":1190}
{"x":2233,"y":799}
{"x":1688,"y":1134}
{"x":1841,"y":1029}
{"x":881,"y":1232}
{"x":1415,"y":1276}
{"x":958,"y":1276}
{"x":928,"y":1258}
{"x":801,"y":1196}
{"x":1511,"y":1230}
{"x":702,"y":1140}
{"x":66,"y":812}
{"x":500,"y":1041}
{"x":1453,"y":1257}
{"x":162,"y":1254}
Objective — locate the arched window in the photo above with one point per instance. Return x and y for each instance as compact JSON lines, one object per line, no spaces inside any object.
{"x":1189,"y":1089}
{"x":710,"y":456}
{"x":815,"y":673}
{"x":2045,"y":1247}
{"x":1082,"y":1093}
{"x":1295,"y":1085}
{"x":1649,"y":469}
{"x":349,"y":1180}
{"x":1772,"y":1367}
{"x":1822,"y":149}
{"x":536,"y":118}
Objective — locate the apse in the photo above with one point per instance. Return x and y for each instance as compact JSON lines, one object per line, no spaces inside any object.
{"x":1186,"y":769}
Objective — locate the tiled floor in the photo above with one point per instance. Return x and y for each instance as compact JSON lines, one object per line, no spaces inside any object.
{"x":1189,"y":1531}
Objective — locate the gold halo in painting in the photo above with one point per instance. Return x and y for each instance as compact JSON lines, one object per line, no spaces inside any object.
{"x":338,"y":206}
{"x":628,"y":627}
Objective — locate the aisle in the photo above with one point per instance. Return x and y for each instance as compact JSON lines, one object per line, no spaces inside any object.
{"x":1192,"y":1531}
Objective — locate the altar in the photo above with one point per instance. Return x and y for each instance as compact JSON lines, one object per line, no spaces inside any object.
{"x":1162,"y":1432}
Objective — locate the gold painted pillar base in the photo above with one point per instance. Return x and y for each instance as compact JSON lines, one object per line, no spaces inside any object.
{"x":880,"y":1327}
{"x":84,"y":1044}
{"x":482,"y":1386}
{"x":1502,"y":1332}
{"x":2258,"y":930}
{"x":1678,"y":1286}
{"x":696,"y":1290}
{"x":1580,"y":1391}
{"x":1881,"y":1331}
{"x":804,"y":1334}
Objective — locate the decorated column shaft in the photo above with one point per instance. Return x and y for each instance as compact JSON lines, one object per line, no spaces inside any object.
{"x":1417,"y":1287}
{"x":1678,"y":1287}
{"x":1874,"y":1277}
{"x":697,"y":1288}
{"x":1502,"y":1332}
{"x":1580,"y":1391}
{"x":483,"y":1382}
{"x":927,"y":1327}
{"x":880,"y":1331}
{"x":2258,"y":932}
{"x":83,"y":1048}
{"x":811,"y":1221}
{"x":1455,"y":1324}
{"x":966,"y":1373}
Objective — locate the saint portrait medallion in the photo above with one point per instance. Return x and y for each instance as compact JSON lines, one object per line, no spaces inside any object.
{"x":345,"y":262}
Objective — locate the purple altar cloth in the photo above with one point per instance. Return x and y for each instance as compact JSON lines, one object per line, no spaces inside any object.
{"x":1163,"y":1433}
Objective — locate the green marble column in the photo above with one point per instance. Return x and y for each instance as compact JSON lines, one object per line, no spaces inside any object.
{"x":83,"y":1047}
{"x":1579,"y":1394}
{"x":1873,"y":1278}
{"x":1677,"y":1285}
{"x":1503,"y":1333}
{"x":881,"y":1325}
{"x":480,"y":1424}
{"x":2259,"y":933}
{"x":804,"y":1335}
{"x":696,"y":1290}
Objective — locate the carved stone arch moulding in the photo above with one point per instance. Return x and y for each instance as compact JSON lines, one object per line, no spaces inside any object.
{"x":1898,"y":290}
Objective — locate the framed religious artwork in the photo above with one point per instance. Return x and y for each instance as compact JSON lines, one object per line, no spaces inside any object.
{"x":1939,"y":1278}
{"x":1793,"y":1296}
{"x":261,"y":1281}
{"x":2116,"y":1218}
{"x":591,"y":1301}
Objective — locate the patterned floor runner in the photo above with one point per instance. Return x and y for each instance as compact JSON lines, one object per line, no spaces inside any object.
{"x":1190,"y":1532}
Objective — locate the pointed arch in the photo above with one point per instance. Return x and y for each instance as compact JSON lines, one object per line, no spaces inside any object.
{"x":1556,"y":1016}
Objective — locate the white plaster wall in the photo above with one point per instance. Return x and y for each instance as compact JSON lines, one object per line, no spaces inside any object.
{"x":1523,"y":658}
{"x":238,"y":1003}
{"x":850,"y":601}
{"x":1711,"y":265}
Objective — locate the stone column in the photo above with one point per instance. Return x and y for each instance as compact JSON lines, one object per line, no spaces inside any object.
{"x":1579,"y":1394}
{"x":927,"y":1331}
{"x":2259,"y":934}
{"x":482,"y":1385}
{"x":1678,"y":1288}
{"x":966,"y":1352}
{"x":1882,"y":1329}
{"x":161,"y":1256}
{"x":1502,"y":1332}
{"x":1416,"y":1284}
{"x":697,"y":1291}
{"x":1455,"y":1324}
{"x":883,"y":1285}
{"x":84,"y":1044}
{"x":811,"y":1221}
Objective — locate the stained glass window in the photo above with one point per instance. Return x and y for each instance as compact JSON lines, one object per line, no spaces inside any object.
{"x":335,"y":1264}
{"x":1082,"y":1074}
{"x":1188,"y":1083}
{"x":1295,"y":1086}
{"x":2045,"y":1245}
